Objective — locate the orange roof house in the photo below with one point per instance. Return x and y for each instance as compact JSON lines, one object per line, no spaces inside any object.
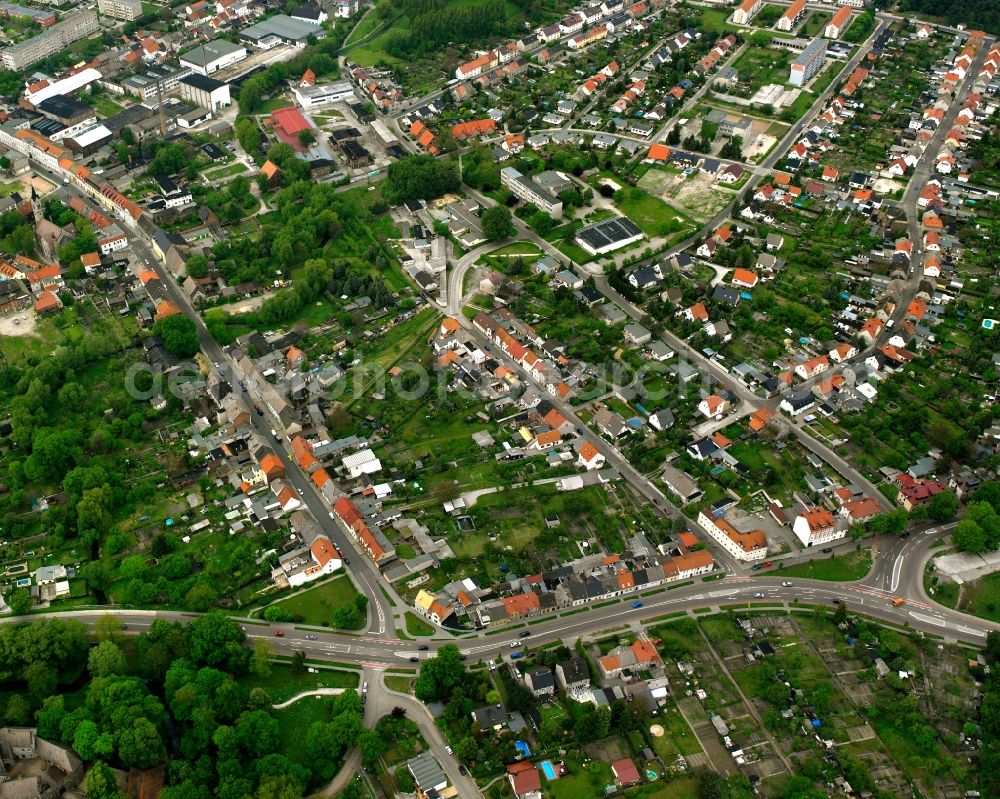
{"x":47,"y":302}
{"x":744,"y":277}
{"x":698,"y":312}
{"x":323,"y":551}
{"x":302,"y":450}
{"x":272,"y":467}
{"x":759,"y":419}
{"x":475,"y":127}
{"x":320,"y":478}
{"x":164,"y":309}
{"x":658,"y":152}
{"x":271,"y":171}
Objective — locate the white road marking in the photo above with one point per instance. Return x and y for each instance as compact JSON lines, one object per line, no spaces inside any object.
{"x":929,"y":619}
{"x":897,"y":569}
{"x":971,"y":631}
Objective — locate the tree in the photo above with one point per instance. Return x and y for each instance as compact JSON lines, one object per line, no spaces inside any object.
{"x":90,"y":743}
{"x":20,"y":602}
{"x":497,"y":223}
{"x":419,"y":177}
{"x":101,"y":782}
{"x":139,"y":744}
{"x":372,"y":746}
{"x":18,"y":711}
{"x":105,"y":660}
{"x":180,"y":336}
{"x":257,"y":732}
{"x":217,"y":641}
{"x":260,"y":663}
{"x":196,"y":266}
{"x":440,"y":675}
{"x":943,"y":506}
{"x":969,"y":537}
{"x":108,"y":627}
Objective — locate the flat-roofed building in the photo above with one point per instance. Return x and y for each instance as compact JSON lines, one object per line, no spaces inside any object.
{"x":57,"y":38}
{"x":128,"y":10}
{"x":213,"y":56}
{"x":206,"y":92}
{"x":807,"y":63}
{"x":528,"y":190}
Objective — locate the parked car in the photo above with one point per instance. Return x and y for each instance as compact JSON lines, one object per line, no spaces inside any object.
{"x":516,"y":655}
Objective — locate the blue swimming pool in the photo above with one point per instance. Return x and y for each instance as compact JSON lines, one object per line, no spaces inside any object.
{"x":548,"y":770}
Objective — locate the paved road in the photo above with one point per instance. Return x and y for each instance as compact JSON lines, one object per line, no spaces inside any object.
{"x":897,"y":572}
{"x":367,"y":578}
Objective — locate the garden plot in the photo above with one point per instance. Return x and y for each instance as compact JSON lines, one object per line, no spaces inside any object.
{"x":696,"y":195}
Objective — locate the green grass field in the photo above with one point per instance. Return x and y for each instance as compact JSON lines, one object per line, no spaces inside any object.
{"x":316,"y":606}
{"x":980,"y":597}
{"x":417,"y":626}
{"x":104,"y":106}
{"x":837,"y":568}
{"x":281,"y":685}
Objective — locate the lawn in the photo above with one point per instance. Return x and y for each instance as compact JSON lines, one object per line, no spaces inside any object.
{"x":678,"y":788}
{"x":294,"y":723}
{"x":281,"y":685}
{"x":837,"y":568}
{"x":316,"y":606}
{"x":653,"y":215}
{"x":815,"y":24}
{"x":583,"y":780}
{"x":19,"y":348}
{"x":713,"y":20}
{"x":399,"y":683}
{"x":417,"y":626}
{"x":981,"y":597}
{"x":105,"y":107}
{"x":226,"y":171}
{"x":7,"y":189}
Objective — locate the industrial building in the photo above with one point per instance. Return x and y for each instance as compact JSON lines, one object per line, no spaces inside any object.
{"x":280,"y":29}
{"x":205,"y":92}
{"x":213,"y":56}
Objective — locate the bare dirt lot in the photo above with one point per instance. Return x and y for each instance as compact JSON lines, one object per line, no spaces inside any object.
{"x":19,"y":324}
{"x":696,"y":195}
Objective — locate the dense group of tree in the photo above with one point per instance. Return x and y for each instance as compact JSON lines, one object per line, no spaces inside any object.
{"x":420,"y":177}
{"x":311,"y":221}
{"x":981,"y":14}
{"x":434,"y":23}
{"x":183,"y":705}
{"x":68,"y":436}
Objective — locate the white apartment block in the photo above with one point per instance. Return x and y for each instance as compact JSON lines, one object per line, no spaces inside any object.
{"x":128,"y":10}
{"x":747,"y":546}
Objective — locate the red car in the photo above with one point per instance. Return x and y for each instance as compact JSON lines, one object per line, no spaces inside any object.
{"x":767,"y":564}
{"x":279,"y":634}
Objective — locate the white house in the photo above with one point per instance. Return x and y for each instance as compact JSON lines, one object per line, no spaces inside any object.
{"x":713,"y":406}
{"x":747,"y":546}
{"x":816,"y":526}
